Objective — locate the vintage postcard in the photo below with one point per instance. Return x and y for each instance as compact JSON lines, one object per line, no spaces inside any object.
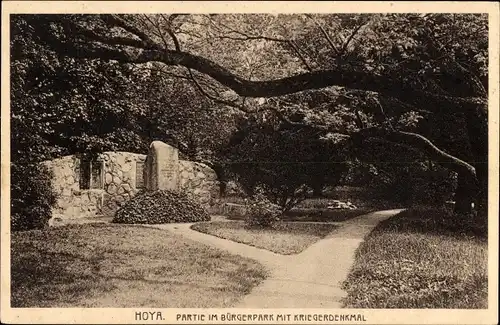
{"x":249,"y":162}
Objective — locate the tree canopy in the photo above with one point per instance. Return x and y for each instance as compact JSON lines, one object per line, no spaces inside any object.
{"x":416,"y":81}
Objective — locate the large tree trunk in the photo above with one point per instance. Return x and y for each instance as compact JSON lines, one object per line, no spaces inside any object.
{"x":464,"y":195}
{"x":482,"y":193}
{"x":476,"y":119}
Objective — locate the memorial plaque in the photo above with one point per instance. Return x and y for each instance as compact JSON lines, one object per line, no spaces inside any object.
{"x":162,"y":167}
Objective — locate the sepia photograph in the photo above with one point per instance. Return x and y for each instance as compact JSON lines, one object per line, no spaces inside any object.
{"x":335,"y":161}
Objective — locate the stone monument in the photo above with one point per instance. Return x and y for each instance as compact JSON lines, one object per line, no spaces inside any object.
{"x":161,"y":170}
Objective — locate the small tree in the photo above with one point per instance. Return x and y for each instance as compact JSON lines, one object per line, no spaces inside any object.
{"x":284,"y":163}
{"x":261,"y":212}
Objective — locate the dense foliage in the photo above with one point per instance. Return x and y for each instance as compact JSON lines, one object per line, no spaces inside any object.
{"x":62,"y":106}
{"x":401,"y":176}
{"x":286,"y":163}
{"x":416,"y":82}
{"x":439,"y":55}
{"x":32,"y":196}
{"x":161,"y":206}
{"x":58,"y":106}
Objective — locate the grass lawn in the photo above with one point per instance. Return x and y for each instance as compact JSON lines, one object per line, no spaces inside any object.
{"x":285,"y":238}
{"x":418,"y":259}
{"x":108,"y":265}
{"x":313,"y":214}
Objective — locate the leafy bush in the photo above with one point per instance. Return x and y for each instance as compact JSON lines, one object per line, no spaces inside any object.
{"x":32,"y":196}
{"x":261,"y":213}
{"x":161,"y":206}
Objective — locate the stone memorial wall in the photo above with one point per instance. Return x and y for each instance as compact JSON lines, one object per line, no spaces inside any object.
{"x":201,"y":181}
{"x":98,"y":188}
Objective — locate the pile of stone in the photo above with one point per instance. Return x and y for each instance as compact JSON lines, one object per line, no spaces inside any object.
{"x":337,"y":204}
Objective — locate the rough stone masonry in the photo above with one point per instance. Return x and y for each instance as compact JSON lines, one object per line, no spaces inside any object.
{"x":99,"y":187}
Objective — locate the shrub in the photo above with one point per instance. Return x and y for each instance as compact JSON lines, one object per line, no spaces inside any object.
{"x":32,"y":196}
{"x":162,"y":206}
{"x":261,"y":213}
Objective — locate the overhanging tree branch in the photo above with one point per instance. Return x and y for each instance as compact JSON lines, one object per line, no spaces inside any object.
{"x":422,"y":144}
{"x":145,"y":50}
{"x":347,"y":76}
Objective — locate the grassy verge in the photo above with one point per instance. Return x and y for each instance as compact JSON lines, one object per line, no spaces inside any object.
{"x":312,"y":214}
{"x":103,"y":265}
{"x":323,"y":215}
{"x":420,"y":259}
{"x":285,"y":238}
